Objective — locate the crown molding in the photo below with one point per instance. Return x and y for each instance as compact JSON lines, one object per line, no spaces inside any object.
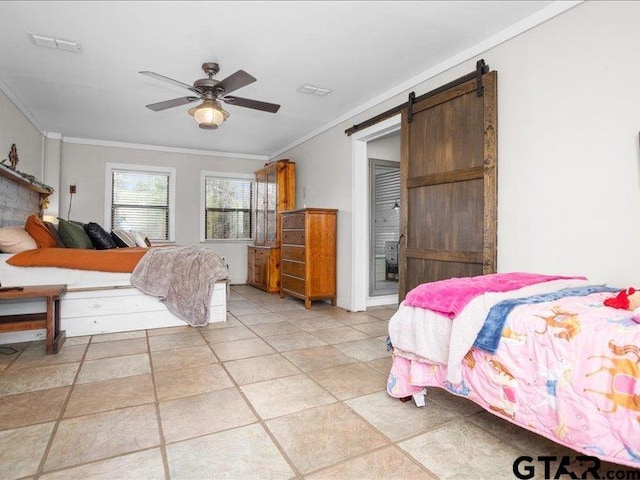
{"x":162,"y":148}
{"x":533,"y":20}
{"x":53,"y":135}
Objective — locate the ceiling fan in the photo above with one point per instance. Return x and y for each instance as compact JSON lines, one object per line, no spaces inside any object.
{"x":210,"y":114}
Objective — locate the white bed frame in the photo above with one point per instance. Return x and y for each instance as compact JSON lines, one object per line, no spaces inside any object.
{"x":91,"y":311}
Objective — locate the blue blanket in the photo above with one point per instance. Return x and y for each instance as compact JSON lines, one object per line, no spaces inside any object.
{"x":488,"y":338}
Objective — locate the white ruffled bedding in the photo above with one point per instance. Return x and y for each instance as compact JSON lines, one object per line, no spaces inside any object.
{"x":425,"y":335}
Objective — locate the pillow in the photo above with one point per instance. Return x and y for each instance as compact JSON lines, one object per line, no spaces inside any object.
{"x":73,"y":235}
{"x":54,"y":233}
{"x":100,"y":238}
{"x":140,"y":239}
{"x":15,"y":240}
{"x":39,"y":232}
{"x":122,"y":239}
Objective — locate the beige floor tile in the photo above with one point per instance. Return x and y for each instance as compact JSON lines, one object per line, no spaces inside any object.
{"x":382,"y":313}
{"x":37,"y":357}
{"x":323,"y":436}
{"x":281,"y":396}
{"x":318,"y":358}
{"x":110,"y":337}
{"x":383,"y":365}
{"x":180,"y":340}
{"x":294,"y":341}
{"x":102,"y":435}
{"x":229,"y":323}
{"x":191,"y":381}
{"x":340,"y":335}
{"x":258,"y":369}
{"x":248,"y":308}
{"x":21,"y":450}
{"x":146,"y":465}
{"x":396,"y":419}
{"x":348,"y":381}
{"x":228,"y":334}
{"x":315,"y":323}
{"x":260,"y":318}
{"x":179,"y":358}
{"x":531,"y":443}
{"x":155,"y":332}
{"x":110,"y":394}
{"x":386,"y":464}
{"x":31,"y":407}
{"x":271,"y":329}
{"x":374,"y":329}
{"x":241,"y":453}
{"x":452,"y":451}
{"x":364,"y":350}
{"x":285,"y":306}
{"x":116,"y":367}
{"x":202,"y":414}
{"x":454,"y":403}
{"x":72,"y":341}
{"x":117,"y":348}
{"x":300,"y":314}
{"x":355,"y":318}
{"x":242,"y":349}
{"x":37,"y":378}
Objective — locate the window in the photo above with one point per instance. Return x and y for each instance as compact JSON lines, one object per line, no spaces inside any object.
{"x":141,"y":198}
{"x":226,"y":206}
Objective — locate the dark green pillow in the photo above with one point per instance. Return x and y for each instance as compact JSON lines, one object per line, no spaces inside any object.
{"x":73,"y":235}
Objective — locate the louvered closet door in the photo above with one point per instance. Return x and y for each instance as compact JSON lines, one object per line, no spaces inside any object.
{"x":448,"y":185}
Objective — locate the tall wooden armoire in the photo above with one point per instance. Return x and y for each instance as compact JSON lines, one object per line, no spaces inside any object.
{"x":275,"y":193}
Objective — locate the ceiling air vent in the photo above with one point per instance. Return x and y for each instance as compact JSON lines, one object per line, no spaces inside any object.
{"x":56,"y":43}
{"x":311,"y":90}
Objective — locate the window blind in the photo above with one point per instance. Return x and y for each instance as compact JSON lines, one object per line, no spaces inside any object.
{"x":228,"y":208}
{"x":140,"y":201}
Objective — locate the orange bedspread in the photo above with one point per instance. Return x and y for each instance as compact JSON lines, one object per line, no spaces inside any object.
{"x":122,"y":260}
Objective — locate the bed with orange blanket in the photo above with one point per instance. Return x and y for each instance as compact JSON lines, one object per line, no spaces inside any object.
{"x":116,"y":260}
{"x":100,"y":297}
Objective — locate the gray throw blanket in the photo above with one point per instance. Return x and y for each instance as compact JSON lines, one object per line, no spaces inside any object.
{"x":183,"y":277}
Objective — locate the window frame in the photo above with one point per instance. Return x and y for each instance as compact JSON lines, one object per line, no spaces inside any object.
{"x":203,"y":220}
{"x":110,"y":167}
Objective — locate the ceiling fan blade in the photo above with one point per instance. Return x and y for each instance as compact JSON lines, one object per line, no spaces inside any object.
{"x":248,"y":103}
{"x":157,"y":76}
{"x":235,"y":81}
{"x":176,"y":102}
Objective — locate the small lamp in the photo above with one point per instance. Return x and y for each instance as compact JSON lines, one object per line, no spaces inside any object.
{"x":396,"y":206}
{"x":209,"y":114}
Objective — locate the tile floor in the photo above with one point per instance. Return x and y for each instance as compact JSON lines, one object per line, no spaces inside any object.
{"x":275,"y":392}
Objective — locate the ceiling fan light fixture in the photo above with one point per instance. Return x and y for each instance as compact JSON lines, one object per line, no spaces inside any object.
{"x":209,"y":114}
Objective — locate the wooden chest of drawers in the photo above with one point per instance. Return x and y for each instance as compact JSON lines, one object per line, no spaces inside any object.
{"x":308,"y":254}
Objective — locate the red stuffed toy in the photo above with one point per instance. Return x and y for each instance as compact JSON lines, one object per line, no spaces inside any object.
{"x":621,"y":300}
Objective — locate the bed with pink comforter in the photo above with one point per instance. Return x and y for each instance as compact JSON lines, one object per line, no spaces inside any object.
{"x":542,"y":352}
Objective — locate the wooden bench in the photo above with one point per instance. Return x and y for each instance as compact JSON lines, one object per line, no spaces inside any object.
{"x":49,"y":320}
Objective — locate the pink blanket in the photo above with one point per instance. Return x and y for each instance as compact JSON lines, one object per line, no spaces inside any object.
{"x":449,"y":297}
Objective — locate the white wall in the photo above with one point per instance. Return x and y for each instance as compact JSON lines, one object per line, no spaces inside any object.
{"x":568,"y":152}
{"x":385,"y":148}
{"x":16,"y":128}
{"x":84,"y":166}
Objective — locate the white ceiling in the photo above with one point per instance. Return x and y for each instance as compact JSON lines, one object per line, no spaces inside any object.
{"x":359,"y":50}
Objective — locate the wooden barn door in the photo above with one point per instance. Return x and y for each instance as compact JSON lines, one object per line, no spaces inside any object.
{"x":448,"y":184}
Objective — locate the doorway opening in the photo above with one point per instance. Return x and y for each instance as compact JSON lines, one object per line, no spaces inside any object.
{"x":362,"y":148}
{"x":384,"y":222}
